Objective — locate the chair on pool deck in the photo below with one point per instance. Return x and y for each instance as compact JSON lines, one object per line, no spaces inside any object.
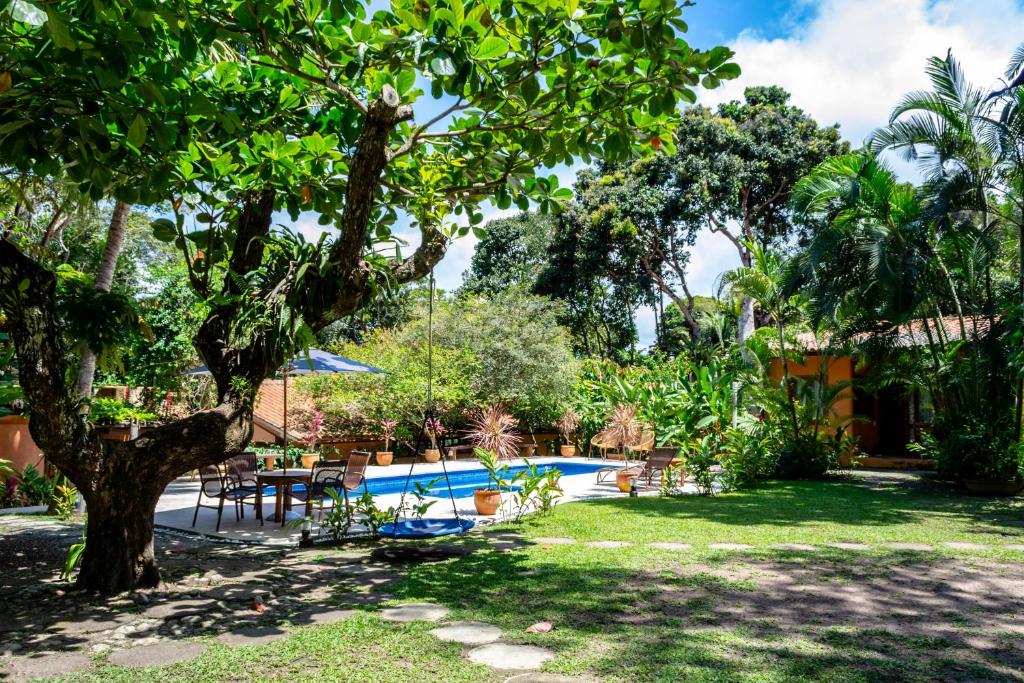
{"x":604,"y":443}
{"x":234,"y":480}
{"x":327,"y":474}
{"x":659,"y":460}
{"x":642,"y":447}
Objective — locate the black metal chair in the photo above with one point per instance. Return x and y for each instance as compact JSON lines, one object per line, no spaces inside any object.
{"x":234,"y":480}
{"x":327,"y":474}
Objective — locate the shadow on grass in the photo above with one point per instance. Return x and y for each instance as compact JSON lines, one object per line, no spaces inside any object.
{"x":815,"y":616}
{"x":854,"y":501}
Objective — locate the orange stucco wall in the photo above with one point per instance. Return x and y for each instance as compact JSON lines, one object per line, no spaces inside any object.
{"x":838,"y":369}
{"x":16,"y":443}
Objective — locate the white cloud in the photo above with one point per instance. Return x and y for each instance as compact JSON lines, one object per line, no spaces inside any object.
{"x":854,"y":60}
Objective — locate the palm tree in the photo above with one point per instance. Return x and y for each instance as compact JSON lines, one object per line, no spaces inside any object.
{"x":764,"y":282}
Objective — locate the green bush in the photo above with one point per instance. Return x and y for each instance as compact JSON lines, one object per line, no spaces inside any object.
{"x":109,"y":411}
{"x":504,"y":349}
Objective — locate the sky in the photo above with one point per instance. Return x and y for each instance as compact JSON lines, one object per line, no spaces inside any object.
{"x":844,"y":61}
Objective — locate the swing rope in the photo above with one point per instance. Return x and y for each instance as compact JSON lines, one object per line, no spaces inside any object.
{"x":428,"y":414}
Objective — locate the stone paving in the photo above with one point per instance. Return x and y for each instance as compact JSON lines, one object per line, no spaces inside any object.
{"x":506,"y":656}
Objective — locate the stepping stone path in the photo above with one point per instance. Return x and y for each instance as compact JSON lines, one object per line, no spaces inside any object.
{"x":419,"y":611}
{"x":506,"y":656}
{"x":671,"y":546}
{"x":321,"y":615}
{"x":254,"y":635}
{"x":178,"y":608}
{"x":1014,"y":546}
{"x":909,"y":546}
{"x":609,"y":544}
{"x":91,"y":624}
{"x":46,"y":666}
{"x":467,"y":632}
{"x":965,"y":546}
{"x":542,"y":678}
{"x":553,"y":540}
{"x":364,"y":598}
{"x":794,"y":546}
{"x":730,"y":546}
{"x":158,"y":654}
{"x":236,"y":592}
{"x":849,"y":546}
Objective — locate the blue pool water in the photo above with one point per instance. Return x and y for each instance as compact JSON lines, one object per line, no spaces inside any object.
{"x":464,"y":482}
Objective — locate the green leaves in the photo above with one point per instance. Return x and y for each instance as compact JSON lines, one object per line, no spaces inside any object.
{"x":26,"y":13}
{"x":164,"y":230}
{"x":58,"y":29}
{"x":492,"y":48}
{"x":137,"y":132}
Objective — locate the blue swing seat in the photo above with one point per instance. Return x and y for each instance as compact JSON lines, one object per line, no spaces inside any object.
{"x":425,"y":528}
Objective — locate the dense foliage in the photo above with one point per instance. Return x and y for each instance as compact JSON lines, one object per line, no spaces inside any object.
{"x":506,"y":349}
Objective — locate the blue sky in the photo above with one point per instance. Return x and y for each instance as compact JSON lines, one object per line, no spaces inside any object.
{"x":844,"y":61}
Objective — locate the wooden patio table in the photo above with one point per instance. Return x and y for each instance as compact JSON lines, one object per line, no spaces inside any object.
{"x":282,"y":481}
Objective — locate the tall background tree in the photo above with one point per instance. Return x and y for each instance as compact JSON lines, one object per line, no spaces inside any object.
{"x":234,"y":110}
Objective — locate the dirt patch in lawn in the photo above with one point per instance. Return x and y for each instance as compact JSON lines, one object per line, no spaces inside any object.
{"x":889,"y":607}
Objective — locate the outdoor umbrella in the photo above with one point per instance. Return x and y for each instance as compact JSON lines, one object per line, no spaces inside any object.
{"x":313,"y":361}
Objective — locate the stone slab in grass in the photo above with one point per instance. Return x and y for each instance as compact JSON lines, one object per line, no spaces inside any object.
{"x":467,"y":632}
{"x":510,"y":657}
{"x":236,"y":592}
{"x":539,"y":677}
{"x":253,"y":635}
{"x":671,"y":546}
{"x":45,"y":666}
{"x":849,"y":546}
{"x":1014,"y":546}
{"x":554,"y":540}
{"x":909,"y":546}
{"x":957,"y":545}
{"x":417,"y":611}
{"x":609,"y":544}
{"x":90,"y":623}
{"x":175,"y":609}
{"x":157,"y":654}
{"x":730,"y":546}
{"x":321,"y":615}
{"x":364,"y":598}
{"x":795,"y":546}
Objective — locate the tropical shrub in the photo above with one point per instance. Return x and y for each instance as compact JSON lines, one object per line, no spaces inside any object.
{"x":108,"y":411}
{"x":700,"y":461}
{"x":504,"y":349}
{"x":749,"y":453}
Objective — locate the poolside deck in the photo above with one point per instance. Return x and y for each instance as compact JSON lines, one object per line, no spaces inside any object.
{"x":177,"y":505}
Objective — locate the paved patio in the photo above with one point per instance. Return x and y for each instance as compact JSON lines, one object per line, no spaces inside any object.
{"x":177,"y":505}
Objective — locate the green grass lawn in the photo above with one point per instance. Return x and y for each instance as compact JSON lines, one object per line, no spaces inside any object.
{"x":640,"y":614}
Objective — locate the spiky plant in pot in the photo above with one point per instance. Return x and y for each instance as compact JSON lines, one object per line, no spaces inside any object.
{"x":493,"y":432}
{"x":568,"y":424}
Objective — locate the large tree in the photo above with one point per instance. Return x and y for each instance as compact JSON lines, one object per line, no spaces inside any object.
{"x":731,"y":170}
{"x":232,"y":110}
{"x":512,"y":252}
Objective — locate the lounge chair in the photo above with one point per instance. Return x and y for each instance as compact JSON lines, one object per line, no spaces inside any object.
{"x":234,"y":480}
{"x":659,"y":461}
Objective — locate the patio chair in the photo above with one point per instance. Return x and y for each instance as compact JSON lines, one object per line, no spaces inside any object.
{"x":234,"y":480}
{"x":659,"y":461}
{"x":604,"y":443}
{"x":642,"y":447}
{"x":327,"y":474}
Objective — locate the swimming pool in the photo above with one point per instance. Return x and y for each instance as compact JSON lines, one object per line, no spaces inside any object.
{"x":464,"y":482}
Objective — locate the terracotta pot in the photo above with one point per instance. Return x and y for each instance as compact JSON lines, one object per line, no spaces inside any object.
{"x":384,"y":458}
{"x":487,"y":501}
{"x":567,"y":450}
{"x":624,"y":480}
{"x":528,"y":450}
{"x":432,"y":455}
{"x":994,"y":487}
{"x":309,"y":458}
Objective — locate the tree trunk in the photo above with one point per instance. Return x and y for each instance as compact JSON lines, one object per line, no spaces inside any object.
{"x":119,"y":541}
{"x":745,"y":323}
{"x":104,"y":281}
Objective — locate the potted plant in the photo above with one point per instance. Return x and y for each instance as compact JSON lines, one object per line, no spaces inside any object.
{"x":316,"y":430}
{"x":434,"y":431}
{"x":385,"y":456}
{"x":567,"y":426}
{"x":623,"y":429}
{"x":493,"y":435}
